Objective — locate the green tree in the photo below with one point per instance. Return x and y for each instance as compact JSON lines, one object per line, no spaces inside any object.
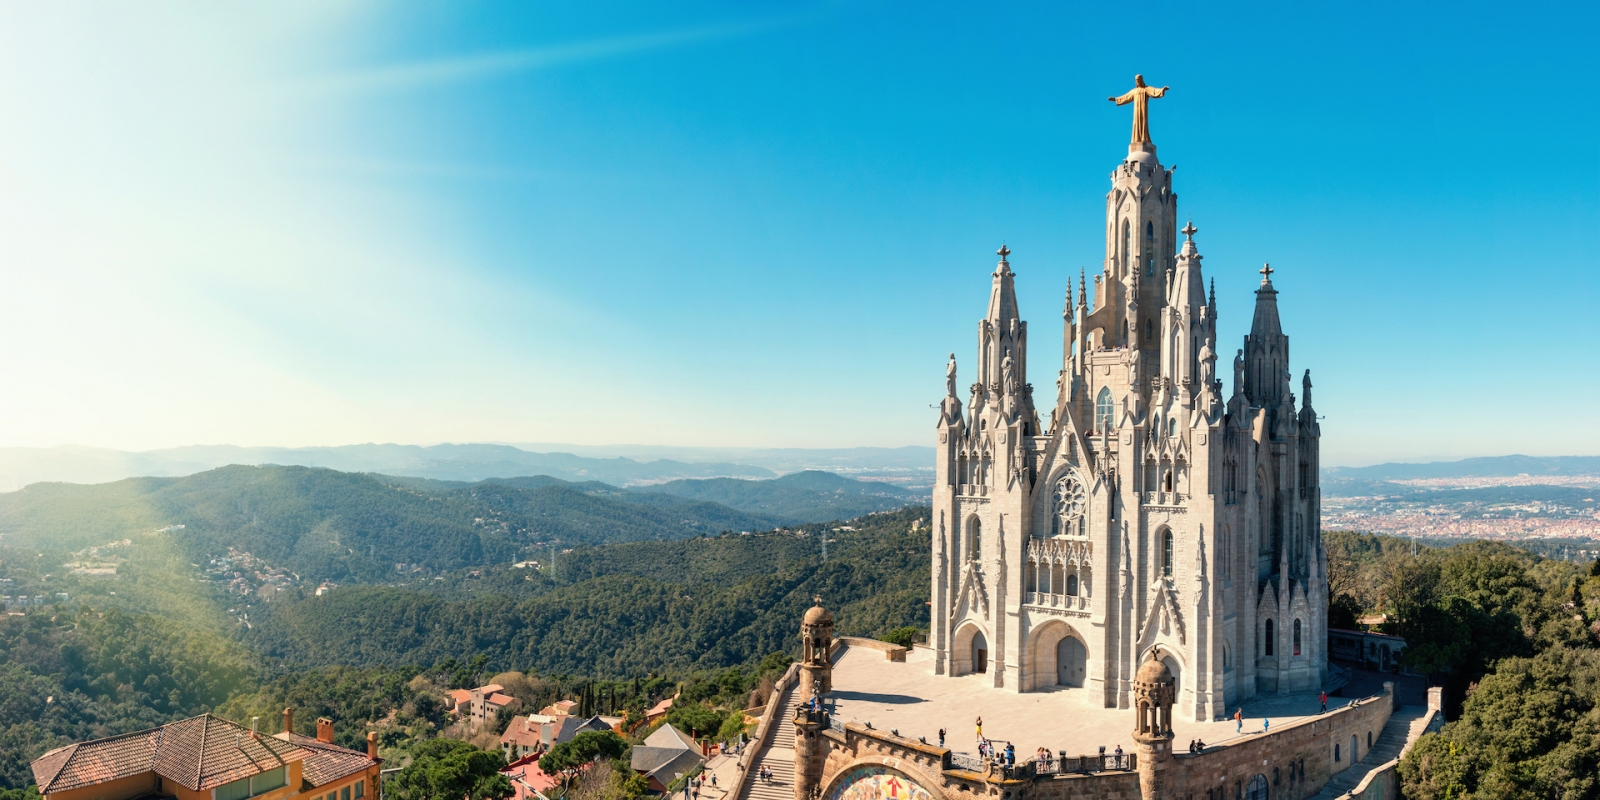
{"x":902,"y":636}
{"x":447,"y":768}
{"x":584,"y":748}
{"x":1344,"y":612}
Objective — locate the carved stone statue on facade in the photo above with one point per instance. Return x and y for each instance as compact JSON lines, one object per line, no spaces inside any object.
{"x":950,"y":376}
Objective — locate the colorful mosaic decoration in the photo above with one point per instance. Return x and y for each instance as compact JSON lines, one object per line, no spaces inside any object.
{"x":878,"y":783}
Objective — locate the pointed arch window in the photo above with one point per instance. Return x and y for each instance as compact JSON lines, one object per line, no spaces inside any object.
{"x":1266,"y":641}
{"x":975,"y":539}
{"x":1072,"y":586}
{"x":1297,"y":637}
{"x":1150,"y":248}
{"x":1104,"y":410}
{"x":1166,"y":553}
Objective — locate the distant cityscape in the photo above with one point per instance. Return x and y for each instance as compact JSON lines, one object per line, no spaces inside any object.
{"x":1512,"y":507}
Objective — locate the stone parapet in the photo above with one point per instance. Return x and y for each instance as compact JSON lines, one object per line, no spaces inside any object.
{"x":1296,"y":760}
{"x":892,"y":652}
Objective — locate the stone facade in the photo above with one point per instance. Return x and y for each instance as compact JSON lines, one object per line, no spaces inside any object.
{"x":1156,"y":514}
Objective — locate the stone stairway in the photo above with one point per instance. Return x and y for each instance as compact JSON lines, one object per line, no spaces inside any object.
{"x":778,"y":756}
{"x":1404,"y":726}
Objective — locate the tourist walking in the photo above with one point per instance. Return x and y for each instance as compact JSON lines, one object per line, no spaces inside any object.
{"x":941,"y":737}
{"x":980,"y":728}
{"x":1011,"y":755}
{"x":1265,"y":724}
{"x":1238,"y":720}
{"x":1324,"y":703}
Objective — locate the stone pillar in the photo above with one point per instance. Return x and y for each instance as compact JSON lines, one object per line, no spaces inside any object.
{"x":816,"y":645}
{"x":808,"y":754}
{"x":1152,"y":733}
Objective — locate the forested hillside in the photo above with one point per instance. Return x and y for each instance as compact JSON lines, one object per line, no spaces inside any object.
{"x":797,"y":497}
{"x":619,"y":610}
{"x":88,"y":674}
{"x":327,"y":525}
{"x":1515,"y":640}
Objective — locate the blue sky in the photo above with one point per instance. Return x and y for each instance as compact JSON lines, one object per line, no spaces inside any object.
{"x":766,"y":224}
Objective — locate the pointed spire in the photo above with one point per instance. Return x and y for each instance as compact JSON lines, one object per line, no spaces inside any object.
{"x":1067,"y":308}
{"x":1083,"y":289}
{"x":1212,"y":300}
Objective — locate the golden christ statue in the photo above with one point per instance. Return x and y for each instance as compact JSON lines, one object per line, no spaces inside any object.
{"x":1140,"y":96}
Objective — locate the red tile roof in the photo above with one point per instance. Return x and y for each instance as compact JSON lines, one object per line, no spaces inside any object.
{"x":199,"y":753}
{"x":521,"y":732}
{"x":324,"y":762}
{"x":502,"y":700}
{"x":527,"y":778}
{"x":88,"y":763}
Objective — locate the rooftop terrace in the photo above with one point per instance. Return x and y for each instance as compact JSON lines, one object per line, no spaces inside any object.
{"x":907,"y":697}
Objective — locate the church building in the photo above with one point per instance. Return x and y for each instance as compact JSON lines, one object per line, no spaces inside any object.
{"x":1159,"y":514}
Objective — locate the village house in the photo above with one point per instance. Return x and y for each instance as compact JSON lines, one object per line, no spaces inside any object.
{"x":666,"y":755}
{"x":210,"y":758}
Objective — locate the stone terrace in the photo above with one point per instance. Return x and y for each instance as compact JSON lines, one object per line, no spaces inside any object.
{"x":906,"y":696}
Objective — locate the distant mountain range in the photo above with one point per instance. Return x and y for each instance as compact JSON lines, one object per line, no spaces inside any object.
{"x":1487,"y":467}
{"x":621,"y":466}
{"x":351,"y":526}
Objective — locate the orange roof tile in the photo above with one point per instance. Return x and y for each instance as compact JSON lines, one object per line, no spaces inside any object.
{"x":199,"y":753}
{"x":522,"y":732}
{"x":325,"y":763}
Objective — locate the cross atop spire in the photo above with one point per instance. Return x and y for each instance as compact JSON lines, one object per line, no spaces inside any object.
{"x":1003,"y":252}
{"x":1190,"y":230}
{"x":1266,"y":273}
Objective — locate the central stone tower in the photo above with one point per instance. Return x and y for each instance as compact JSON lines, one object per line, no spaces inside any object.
{"x":1156,"y":517}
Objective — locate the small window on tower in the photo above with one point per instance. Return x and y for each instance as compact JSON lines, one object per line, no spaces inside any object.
{"x":1166,"y":554}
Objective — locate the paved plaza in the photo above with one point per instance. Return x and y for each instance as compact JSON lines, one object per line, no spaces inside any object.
{"x":909,"y":698}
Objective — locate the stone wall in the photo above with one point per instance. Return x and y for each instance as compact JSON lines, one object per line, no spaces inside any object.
{"x":1296,"y":759}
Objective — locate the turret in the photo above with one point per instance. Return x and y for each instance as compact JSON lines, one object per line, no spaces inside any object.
{"x":1266,"y":350}
{"x":1187,"y":325}
{"x":1002,"y":335}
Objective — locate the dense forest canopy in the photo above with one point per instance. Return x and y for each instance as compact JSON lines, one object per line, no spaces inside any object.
{"x":655,"y":602}
{"x":638,"y":599}
{"x":1512,"y":636}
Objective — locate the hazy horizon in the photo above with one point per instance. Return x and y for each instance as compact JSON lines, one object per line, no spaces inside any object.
{"x":645,"y":222}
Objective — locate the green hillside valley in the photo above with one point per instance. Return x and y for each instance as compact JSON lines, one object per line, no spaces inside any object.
{"x":366,"y":598}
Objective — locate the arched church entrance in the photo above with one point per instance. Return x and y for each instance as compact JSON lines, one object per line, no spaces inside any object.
{"x":1056,"y":656}
{"x":1072,"y":661}
{"x":969,"y":651}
